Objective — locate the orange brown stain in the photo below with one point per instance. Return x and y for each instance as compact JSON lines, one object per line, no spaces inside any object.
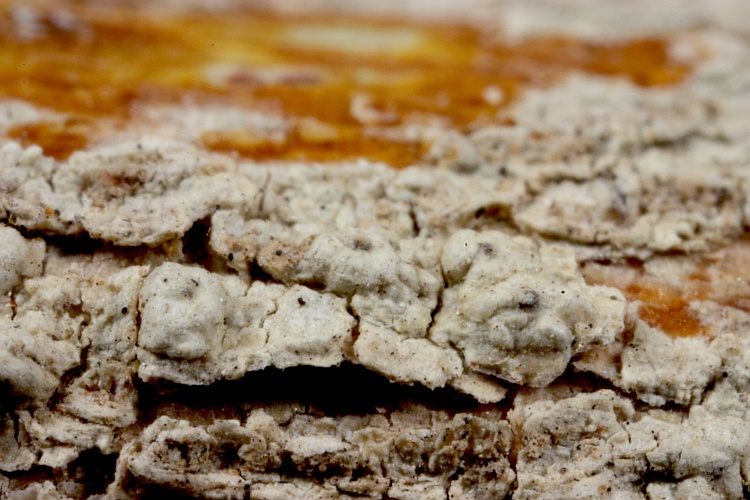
{"x":297,"y":147}
{"x":108,"y":62}
{"x":722,"y":277}
{"x":664,"y":308}
{"x":58,"y":140}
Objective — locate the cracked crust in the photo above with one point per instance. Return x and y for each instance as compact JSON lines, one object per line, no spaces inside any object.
{"x":411,"y":450}
{"x":556,"y":306}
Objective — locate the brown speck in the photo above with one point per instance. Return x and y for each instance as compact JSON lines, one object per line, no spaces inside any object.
{"x":363,"y":245}
{"x":528,"y":299}
{"x":487,"y":248}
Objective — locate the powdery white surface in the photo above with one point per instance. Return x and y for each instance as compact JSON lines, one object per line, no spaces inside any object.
{"x":144,"y":265}
{"x":520,"y":312}
{"x":596,"y":444}
{"x":19,"y":258}
{"x":197,"y":327}
{"x":119,"y":193}
{"x":651,"y":358}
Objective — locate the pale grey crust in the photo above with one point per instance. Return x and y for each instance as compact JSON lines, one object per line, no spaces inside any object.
{"x":144,"y":267}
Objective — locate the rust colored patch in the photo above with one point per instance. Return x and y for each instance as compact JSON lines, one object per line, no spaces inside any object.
{"x":665,"y":309}
{"x":355,"y":76}
{"x":722,"y":277}
{"x":58,"y":140}
{"x":347,"y":145}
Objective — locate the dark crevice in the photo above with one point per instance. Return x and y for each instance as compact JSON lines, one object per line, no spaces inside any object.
{"x":287,"y":468}
{"x":195,"y":243}
{"x":669,"y":406}
{"x":653,"y":476}
{"x":438,"y":307}
{"x":37,"y":474}
{"x":319,"y":287}
{"x":94,"y":471}
{"x":228,"y":456}
{"x":83,"y":244}
{"x":343,"y":390}
{"x":325,"y":473}
{"x":257,"y":273}
{"x":13,"y":305}
{"x":160,"y":492}
{"x":80,"y":243}
{"x":262,"y":192}
{"x":586,"y":382}
{"x":632,"y":262}
{"x":591,"y":382}
{"x":355,"y":331}
{"x":10,"y":400}
{"x":710,"y":387}
{"x":137,"y":318}
{"x":682,"y":142}
{"x":193,"y":248}
{"x":414,"y":220}
{"x":68,"y":377}
{"x":495,"y":212}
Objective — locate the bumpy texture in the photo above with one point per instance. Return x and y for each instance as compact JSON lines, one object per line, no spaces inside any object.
{"x":553,"y":308}
{"x":519,"y":313}
{"x":410,"y":450}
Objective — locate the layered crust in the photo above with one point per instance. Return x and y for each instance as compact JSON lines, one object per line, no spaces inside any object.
{"x":549,"y":299}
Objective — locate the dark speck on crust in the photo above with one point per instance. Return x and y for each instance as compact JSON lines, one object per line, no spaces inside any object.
{"x":528,"y":299}
{"x":363,"y":245}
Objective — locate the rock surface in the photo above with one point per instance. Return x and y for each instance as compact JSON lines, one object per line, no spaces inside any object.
{"x":553,"y":308}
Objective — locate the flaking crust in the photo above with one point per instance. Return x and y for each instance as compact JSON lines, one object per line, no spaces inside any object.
{"x":144,"y":267}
